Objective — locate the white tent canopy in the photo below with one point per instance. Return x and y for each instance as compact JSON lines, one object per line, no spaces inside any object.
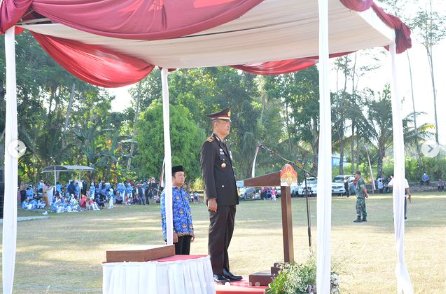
{"x":273,"y":30}
{"x":66,"y":168}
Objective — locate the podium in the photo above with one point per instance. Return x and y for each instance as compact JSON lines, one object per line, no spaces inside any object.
{"x":274,"y":180}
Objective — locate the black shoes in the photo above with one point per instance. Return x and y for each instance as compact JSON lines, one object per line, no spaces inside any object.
{"x":359,"y":220}
{"x":221,"y":279}
{"x":228,"y":275}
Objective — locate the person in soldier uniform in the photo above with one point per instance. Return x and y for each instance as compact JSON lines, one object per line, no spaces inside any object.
{"x":361,"y":194}
{"x":221,"y":194}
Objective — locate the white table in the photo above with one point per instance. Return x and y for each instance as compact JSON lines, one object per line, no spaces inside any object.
{"x":181,"y":274}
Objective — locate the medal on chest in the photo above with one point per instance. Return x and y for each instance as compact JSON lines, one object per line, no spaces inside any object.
{"x":222,"y":158}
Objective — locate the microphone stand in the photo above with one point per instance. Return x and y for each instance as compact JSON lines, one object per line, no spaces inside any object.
{"x":307,"y":173}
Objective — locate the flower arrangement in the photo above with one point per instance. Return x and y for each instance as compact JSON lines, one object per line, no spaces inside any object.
{"x":300,"y":279}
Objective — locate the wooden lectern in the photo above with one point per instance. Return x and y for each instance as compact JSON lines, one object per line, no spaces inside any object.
{"x":274,"y":180}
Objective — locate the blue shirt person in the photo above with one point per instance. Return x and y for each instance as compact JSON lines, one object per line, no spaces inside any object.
{"x":425,"y":179}
{"x":183,"y":229}
{"x":58,"y":188}
{"x":92,"y":190}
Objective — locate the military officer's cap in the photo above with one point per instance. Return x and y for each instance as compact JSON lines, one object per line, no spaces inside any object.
{"x":225,"y":114}
{"x":177,"y":168}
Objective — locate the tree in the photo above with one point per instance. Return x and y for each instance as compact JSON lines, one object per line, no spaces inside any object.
{"x":431,"y":28}
{"x":186,"y":140}
{"x":378,"y":130}
{"x":299,"y":92}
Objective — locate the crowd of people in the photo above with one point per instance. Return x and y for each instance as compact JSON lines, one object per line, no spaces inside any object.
{"x":78,"y":195}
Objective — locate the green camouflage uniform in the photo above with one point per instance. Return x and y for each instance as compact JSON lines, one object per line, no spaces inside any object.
{"x":360,"y":199}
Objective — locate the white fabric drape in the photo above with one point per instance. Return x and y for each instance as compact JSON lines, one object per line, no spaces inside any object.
{"x":404,"y":284}
{"x":167,"y":157}
{"x":11,"y":159}
{"x":181,"y":277}
{"x":253,"y":170}
{"x":324,"y":163}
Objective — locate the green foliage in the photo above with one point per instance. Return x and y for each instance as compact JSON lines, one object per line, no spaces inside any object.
{"x":299,"y":279}
{"x":197,"y":185}
{"x":186,"y":139}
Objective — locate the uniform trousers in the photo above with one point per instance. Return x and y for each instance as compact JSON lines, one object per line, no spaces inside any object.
{"x":220,"y":234}
{"x":182,"y":247}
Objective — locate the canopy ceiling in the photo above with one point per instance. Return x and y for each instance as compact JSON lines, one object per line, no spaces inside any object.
{"x":119,"y":42}
{"x":273,"y":30}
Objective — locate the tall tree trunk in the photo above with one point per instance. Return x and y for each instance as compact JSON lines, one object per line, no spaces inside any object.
{"x":67,"y":119}
{"x":315,"y":146}
{"x":132,"y":144}
{"x":352,"y":151}
{"x":290,"y":145}
{"x":434,"y":90}
{"x":420,"y":162}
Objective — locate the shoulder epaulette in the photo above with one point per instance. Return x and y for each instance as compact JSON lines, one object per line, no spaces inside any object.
{"x":210,"y":139}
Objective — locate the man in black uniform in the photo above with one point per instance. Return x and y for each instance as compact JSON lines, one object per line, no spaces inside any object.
{"x":221,"y":194}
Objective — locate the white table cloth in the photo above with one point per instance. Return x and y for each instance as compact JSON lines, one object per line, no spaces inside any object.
{"x":183,"y":276}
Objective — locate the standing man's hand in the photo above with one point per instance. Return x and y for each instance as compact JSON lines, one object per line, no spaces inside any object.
{"x":212,"y":204}
{"x":193,"y":237}
{"x":175,"y":237}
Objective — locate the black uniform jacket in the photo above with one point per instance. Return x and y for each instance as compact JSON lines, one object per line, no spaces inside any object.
{"x":218,"y":174}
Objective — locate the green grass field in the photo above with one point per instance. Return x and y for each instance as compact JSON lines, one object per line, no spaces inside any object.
{"x":63,"y":253}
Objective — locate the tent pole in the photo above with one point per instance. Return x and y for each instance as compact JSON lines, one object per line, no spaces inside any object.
{"x":11,"y":160}
{"x":167,"y":158}
{"x":404,"y":284}
{"x":324,"y":162}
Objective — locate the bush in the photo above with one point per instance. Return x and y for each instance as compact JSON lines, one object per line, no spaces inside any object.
{"x":299,"y":279}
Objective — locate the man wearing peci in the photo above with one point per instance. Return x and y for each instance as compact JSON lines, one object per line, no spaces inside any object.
{"x":183,"y":229}
{"x":221,"y":194}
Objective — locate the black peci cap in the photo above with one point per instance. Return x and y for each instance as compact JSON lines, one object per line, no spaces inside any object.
{"x":177,"y":168}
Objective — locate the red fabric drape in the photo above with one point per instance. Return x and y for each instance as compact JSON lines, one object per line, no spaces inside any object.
{"x":283,"y":66}
{"x":357,"y":5}
{"x":277,"y":67}
{"x":132,"y":19}
{"x":11,"y":12}
{"x":402,"y":31}
{"x":95,"y":64}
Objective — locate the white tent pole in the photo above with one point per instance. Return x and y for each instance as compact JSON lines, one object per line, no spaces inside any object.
{"x":324,"y":162}
{"x":404,"y":284}
{"x":11,"y":159}
{"x":167,"y":158}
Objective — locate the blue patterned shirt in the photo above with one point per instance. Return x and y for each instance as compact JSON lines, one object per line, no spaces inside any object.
{"x":182,"y":216}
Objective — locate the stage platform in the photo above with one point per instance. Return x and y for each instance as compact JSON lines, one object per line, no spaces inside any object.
{"x":242,"y":287}
{"x":158,"y":270}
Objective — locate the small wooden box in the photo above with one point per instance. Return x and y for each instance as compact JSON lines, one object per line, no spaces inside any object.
{"x":140,"y":255}
{"x":260,"y":278}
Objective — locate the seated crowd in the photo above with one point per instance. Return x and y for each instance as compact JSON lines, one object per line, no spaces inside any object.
{"x":75,"y":196}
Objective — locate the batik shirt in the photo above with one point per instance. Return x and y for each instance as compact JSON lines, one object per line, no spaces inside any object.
{"x":182,"y":216}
